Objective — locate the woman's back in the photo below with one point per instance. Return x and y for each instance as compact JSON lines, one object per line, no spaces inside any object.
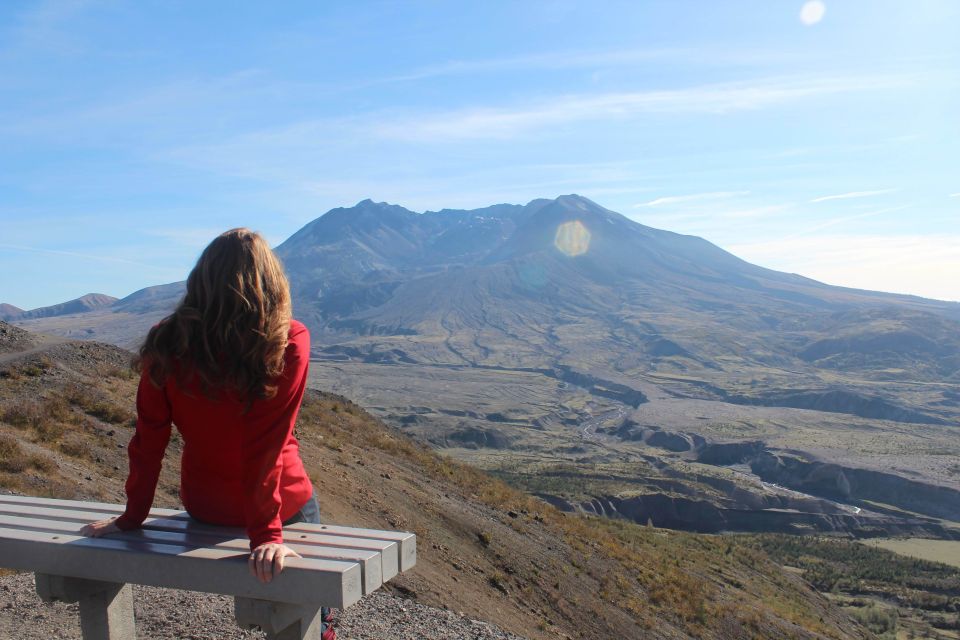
{"x":225,"y":444}
{"x":241,"y":464}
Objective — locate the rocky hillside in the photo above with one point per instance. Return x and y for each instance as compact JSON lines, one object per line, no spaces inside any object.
{"x":14,"y":339}
{"x":484,"y":549}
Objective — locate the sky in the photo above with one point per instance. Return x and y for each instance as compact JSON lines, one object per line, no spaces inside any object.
{"x":820,"y":138}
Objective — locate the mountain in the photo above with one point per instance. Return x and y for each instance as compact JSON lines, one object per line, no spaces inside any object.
{"x":83,"y":304}
{"x":483,"y":548}
{"x":520,"y":286}
{"x":507,"y":273}
{"x":8,"y":311}
{"x":149,"y":300}
{"x":123,"y":322}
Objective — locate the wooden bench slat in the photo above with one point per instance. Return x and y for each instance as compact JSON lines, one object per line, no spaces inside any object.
{"x":304,"y":580}
{"x":370,"y":561}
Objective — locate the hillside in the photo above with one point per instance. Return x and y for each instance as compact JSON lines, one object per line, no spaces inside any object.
{"x":8,"y":311}
{"x":83,"y":304}
{"x":484,"y":548}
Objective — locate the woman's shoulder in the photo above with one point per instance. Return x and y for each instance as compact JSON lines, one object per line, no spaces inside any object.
{"x":299,"y":335}
{"x":297,"y":328}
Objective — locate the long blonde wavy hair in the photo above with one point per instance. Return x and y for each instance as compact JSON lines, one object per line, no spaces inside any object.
{"x":230,"y":330}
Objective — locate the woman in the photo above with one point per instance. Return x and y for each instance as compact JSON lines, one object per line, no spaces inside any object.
{"x":229,"y":368}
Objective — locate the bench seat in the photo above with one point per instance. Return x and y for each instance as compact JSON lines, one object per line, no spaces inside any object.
{"x":338,"y":566}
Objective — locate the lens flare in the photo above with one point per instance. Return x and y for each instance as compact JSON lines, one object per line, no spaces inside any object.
{"x":572,"y":238}
{"x":812,"y":12}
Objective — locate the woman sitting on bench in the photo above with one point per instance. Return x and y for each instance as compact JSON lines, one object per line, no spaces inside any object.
{"x":229,"y":368}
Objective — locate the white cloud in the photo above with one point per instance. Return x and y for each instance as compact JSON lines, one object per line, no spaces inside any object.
{"x":708,"y":221}
{"x":44,"y":26}
{"x":74,"y":254}
{"x":840,"y":220}
{"x":753,"y":212}
{"x":923,"y":265}
{"x":576,"y":59}
{"x":188,"y":237}
{"x":506,"y":123}
{"x":693,"y":197}
{"x":853,"y":194}
{"x":550,"y":60}
{"x":955,"y":195}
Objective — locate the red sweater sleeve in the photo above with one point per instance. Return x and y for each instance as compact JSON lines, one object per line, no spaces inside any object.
{"x":267,"y":429}
{"x":146,"y":451}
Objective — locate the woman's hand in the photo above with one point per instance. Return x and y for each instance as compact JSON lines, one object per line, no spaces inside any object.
{"x":266,"y":561}
{"x":100,"y":528}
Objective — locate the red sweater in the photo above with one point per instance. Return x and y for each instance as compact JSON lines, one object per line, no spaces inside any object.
{"x":238,"y":469}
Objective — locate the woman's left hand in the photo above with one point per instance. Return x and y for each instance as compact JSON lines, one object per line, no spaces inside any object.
{"x":266,"y":561}
{"x":100,"y":528}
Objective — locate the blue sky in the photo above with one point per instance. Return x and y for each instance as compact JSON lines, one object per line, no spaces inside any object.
{"x":816,"y":138}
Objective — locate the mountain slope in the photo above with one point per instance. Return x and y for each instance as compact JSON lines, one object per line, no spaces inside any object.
{"x":416,"y":279}
{"x":382,"y":270}
{"x":83,"y":304}
{"x":484,"y":548}
{"x":123,"y":322}
{"x":8,"y":311}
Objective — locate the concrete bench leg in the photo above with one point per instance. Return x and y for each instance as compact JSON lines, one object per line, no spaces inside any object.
{"x":106,"y":608}
{"x":280,"y":621}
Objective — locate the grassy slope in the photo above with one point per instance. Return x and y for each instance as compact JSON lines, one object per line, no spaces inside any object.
{"x":484,"y":548}
{"x":894,"y":595}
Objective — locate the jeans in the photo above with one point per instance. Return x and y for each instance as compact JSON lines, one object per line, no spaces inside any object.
{"x":309,"y":513}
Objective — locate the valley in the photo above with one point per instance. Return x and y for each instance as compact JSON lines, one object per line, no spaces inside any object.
{"x":674,"y":460}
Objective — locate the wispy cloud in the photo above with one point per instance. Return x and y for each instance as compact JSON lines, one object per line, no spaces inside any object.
{"x":73,"y":254}
{"x":693,"y":197}
{"x":955,"y":195}
{"x":840,"y":220}
{"x":704,"y":99}
{"x":587,"y":59}
{"x":188,"y":237}
{"x":709,"y":221}
{"x":42,"y":27}
{"x":754,"y":212}
{"x":548,"y":60}
{"x":853,"y":194}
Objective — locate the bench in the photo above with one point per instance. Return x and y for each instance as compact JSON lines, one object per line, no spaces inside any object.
{"x":338,"y":567}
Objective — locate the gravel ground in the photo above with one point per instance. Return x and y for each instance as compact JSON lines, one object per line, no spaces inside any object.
{"x":167,"y":613}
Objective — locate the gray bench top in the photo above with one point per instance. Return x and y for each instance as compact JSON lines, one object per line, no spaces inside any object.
{"x":339,"y":564}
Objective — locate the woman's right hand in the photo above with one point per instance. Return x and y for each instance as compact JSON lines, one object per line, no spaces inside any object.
{"x":266,"y":561}
{"x":100,"y":528}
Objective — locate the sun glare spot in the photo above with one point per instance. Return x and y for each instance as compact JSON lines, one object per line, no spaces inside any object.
{"x":812,"y":12}
{"x":572,"y":238}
